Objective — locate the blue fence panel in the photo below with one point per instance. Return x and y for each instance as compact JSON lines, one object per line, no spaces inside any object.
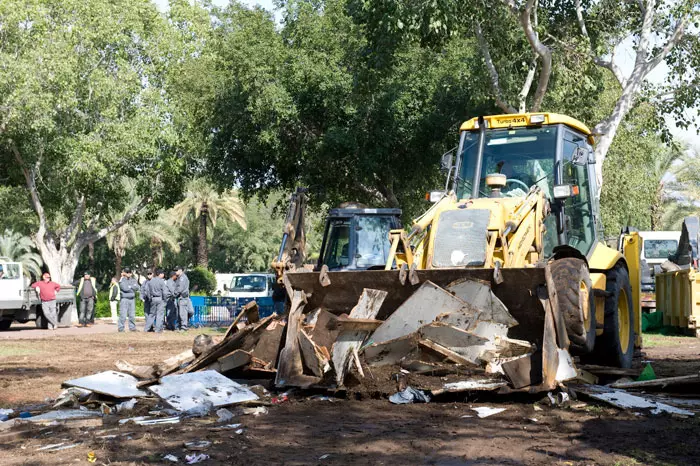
{"x":220,"y":311}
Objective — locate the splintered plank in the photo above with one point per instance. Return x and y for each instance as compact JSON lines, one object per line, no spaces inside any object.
{"x":290,"y":369}
{"x":140,"y":372}
{"x":268,"y":347}
{"x":447,"y":353}
{"x":240,"y":340}
{"x":421,"y":308}
{"x":345,"y":324}
{"x":367,"y":308}
{"x":250,"y":311}
{"x":233,"y":360}
{"x":326,"y":330}
{"x":173,"y":363}
{"x":312,"y":357}
{"x":390,"y":352}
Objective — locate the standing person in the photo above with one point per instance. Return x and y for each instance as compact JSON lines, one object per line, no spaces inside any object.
{"x":157,"y":292}
{"x":146,"y":298}
{"x":182,"y":291}
{"x":114,"y":297}
{"x":47,"y":295}
{"x":87,"y":293}
{"x":128,"y":287}
{"x":171,"y":314}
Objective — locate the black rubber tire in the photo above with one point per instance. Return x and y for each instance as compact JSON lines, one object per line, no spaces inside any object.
{"x":5,"y":324}
{"x":609,"y":349}
{"x":569,"y":275}
{"x":41,"y":321}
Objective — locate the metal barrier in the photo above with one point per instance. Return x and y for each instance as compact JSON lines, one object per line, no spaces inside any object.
{"x":678,"y":297}
{"x":219,"y":311}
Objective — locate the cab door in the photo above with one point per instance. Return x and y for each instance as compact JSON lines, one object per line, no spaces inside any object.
{"x":579,"y":210}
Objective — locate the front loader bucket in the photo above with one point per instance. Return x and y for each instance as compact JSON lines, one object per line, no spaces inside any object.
{"x":523,"y":292}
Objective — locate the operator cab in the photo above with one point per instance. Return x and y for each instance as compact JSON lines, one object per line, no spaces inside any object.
{"x":514,"y":153}
{"x":357,"y":237}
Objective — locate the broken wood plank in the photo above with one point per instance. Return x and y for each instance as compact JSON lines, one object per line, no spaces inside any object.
{"x":358,"y":364}
{"x":451,"y":355}
{"x":466,"y":344}
{"x":250,"y":310}
{"x":325,"y":330}
{"x":173,"y":363}
{"x":290,"y":369}
{"x":311,"y":356}
{"x":367,"y":307}
{"x":237,"y":341}
{"x":140,"y":372}
{"x":663,"y":382}
{"x":390,"y":352}
{"x":233,"y":360}
{"x":609,"y":370}
{"x":519,"y":371}
{"x":268,"y":347}
{"x":346,"y":324}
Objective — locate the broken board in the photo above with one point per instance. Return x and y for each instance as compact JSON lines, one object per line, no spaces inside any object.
{"x":192,"y":390}
{"x":111,"y":383}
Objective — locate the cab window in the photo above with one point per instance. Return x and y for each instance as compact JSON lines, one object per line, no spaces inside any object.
{"x":578,"y":210}
{"x":338,"y":248}
{"x":373,"y":241}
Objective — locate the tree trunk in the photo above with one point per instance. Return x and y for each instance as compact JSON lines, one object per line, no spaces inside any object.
{"x":91,"y":257}
{"x":156,"y":252}
{"x":118,"y":264}
{"x":202,"y":250}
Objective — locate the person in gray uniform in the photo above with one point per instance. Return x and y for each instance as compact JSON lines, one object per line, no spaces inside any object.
{"x":146,"y":298}
{"x":158,"y":292}
{"x":171,"y":302}
{"x":127,"y":307}
{"x":182,"y":291}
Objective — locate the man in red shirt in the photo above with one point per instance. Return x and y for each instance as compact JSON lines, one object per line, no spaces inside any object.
{"x":47,"y":294}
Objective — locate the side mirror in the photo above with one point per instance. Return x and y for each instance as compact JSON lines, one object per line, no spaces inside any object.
{"x":447,"y":161}
{"x":565,"y":191}
{"x":580,"y":156}
{"x":434,"y":196}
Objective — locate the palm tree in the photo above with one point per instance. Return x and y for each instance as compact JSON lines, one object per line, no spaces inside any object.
{"x":204,"y":204}
{"x":19,"y":248}
{"x":664,"y":164}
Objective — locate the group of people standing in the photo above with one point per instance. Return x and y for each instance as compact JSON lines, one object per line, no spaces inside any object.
{"x":166,"y":302}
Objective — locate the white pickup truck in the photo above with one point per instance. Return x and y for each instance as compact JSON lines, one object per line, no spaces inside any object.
{"x":20,"y":303}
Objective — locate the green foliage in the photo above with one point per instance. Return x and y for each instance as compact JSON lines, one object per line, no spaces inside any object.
{"x":202,"y":280}
{"x":19,"y":248}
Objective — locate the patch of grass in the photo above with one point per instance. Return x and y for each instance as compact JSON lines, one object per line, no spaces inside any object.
{"x":644,"y":457}
{"x":12,"y":350}
{"x":653,"y":340}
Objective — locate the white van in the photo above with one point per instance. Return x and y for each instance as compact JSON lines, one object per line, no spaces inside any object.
{"x":658,"y":245}
{"x":251,"y":285}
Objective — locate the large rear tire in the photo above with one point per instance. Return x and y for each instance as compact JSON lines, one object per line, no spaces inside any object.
{"x":5,"y":324}
{"x":615,"y":346}
{"x":574,"y":293}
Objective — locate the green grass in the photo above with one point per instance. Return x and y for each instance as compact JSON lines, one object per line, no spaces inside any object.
{"x":10,"y":350}
{"x":653,"y":340}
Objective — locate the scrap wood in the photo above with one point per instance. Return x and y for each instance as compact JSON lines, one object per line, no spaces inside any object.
{"x":230,"y":361}
{"x":290,"y":369}
{"x":608,"y":370}
{"x":466,"y":344}
{"x":663,"y":382}
{"x":390,"y":352}
{"x":367,"y":307}
{"x":173,"y":363}
{"x":624,"y":400}
{"x":471,"y":385}
{"x":111,"y":383}
{"x":447,"y":353}
{"x":345,"y":324}
{"x":312,"y":357}
{"x":227,"y":345}
{"x":325,"y":330}
{"x":140,"y":372}
{"x":250,"y":310}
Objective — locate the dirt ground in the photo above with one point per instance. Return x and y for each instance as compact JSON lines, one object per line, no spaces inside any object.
{"x":342,"y":431}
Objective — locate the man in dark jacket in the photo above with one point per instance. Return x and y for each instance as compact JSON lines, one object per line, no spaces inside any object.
{"x":157,"y":292}
{"x":87,"y":293}
{"x":127,"y":307}
{"x":182,"y":292}
{"x":146,"y":296}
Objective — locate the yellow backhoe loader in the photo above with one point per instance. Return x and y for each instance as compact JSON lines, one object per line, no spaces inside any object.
{"x":520,"y":216}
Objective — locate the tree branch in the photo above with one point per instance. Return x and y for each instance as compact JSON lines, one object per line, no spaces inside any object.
{"x":544,"y":53}
{"x":30,"y":178}
{"x":91,"y":237}
{"x":673,"y":40}
{"x":76,"y":220}
{"x":522,"y":97}
{"x":493,"y":73}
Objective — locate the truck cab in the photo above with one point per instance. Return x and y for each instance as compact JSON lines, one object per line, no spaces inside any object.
{"x":357,"y":238}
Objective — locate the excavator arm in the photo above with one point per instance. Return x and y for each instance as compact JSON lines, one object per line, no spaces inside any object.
{"x":292,"y":253}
